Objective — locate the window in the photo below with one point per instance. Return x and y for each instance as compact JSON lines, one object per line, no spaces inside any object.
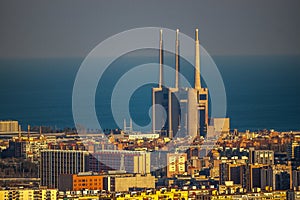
{"x":203,"y":97}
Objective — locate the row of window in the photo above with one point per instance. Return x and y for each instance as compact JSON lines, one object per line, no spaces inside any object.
{"x":83,"y":184}
{"x":85,"y":180}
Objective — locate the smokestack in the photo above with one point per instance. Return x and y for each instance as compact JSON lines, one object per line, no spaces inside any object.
{"x":20,"y":133}
{"x":40,"y":131}
{"x":160,"y":60}
{"x":197,"y":62}
{"x":28,"y":133}
{"x":124,"y":129}
{"x":130,"y":124}
{"x":177,"y":60}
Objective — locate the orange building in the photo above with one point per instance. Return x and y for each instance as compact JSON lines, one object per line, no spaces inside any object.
{"x":85,"y":180}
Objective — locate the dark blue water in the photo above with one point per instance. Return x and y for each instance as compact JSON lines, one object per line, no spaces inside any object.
{"x":262,"y":92}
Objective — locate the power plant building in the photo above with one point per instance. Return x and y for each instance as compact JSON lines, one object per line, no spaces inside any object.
{"x":179,"y":111}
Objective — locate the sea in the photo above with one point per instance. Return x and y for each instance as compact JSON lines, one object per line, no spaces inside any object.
{"x":263,"y":92}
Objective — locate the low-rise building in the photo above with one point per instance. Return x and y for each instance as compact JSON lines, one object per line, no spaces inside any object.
{"x":117,"y":183}
{"x":81,"y":181}
{"x":28,"y":194}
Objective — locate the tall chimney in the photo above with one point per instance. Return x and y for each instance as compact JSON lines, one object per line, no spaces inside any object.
{"x":28,"y":133}
{"x":130,"y":124}
{"x":20,"y":133}
{"x":177,"y":60}
{"x":40,"y":132}
{"x":124,"y":129}
{"x":197,"y":62}
{"x":161,"y":60}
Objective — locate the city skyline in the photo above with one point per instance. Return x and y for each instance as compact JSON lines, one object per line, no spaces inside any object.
{"x":109,"y":100}
{"x":39,"y":47}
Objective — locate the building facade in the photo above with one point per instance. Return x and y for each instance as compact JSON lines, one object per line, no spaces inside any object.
{"x":9,"y":126}
{"x":118,"y":183}
{"x":265,"y":157}
{"x":80,"y":181}
{"x":129,"y":161}
{"x":176,"y":164}
{"x":53,"y":163}
{"x":28,"y":194}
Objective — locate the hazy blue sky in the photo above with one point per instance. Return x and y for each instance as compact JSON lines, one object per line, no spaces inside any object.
{"x":72,"y":28}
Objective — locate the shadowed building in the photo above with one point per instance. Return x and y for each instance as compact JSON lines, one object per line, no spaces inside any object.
{"x":56,"y":162}
{"x":129,"y":161}
{"x":233,"y":172}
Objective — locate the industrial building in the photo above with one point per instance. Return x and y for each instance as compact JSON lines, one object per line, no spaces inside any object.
{"x":186,"y":108}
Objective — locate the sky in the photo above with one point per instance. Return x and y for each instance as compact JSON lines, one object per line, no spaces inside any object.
{"x":72,"y":28}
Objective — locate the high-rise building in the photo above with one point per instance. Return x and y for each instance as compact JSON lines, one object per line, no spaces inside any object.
{"x":182,"y":111}
{"x":282,"y":181}
{"x":282,"y":177}
{"x":254,"y":180}
{"x":238,"y":174}
{"x":266,"y":173}
{"x":56,"y":162}
{"x":296,"y":179}
{"x":275,"y":177}
{"x":233,"y":172}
